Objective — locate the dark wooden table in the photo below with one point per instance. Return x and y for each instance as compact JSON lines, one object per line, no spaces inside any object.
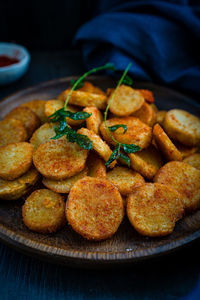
{"x":175,"y":276}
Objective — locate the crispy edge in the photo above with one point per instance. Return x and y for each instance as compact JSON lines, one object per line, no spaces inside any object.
{"x":14,"y":171}
{"x":131,"y":136}
{"x":99,"y":184}
{"x":64,"y":186}
{"x":165,"y":145}
{"x":98,"y":144}
{"x":94,"y":121}
{"x":96,"y":166}
{"x":26,"y":116}
{"x":133,"y":179}
{"x":17,"y":188}
{"x":53,"y":169}
{"x":126,"y":101}
{"x":182,"y":131}
{"x":15,"y":136}
{"x":149,"y":204}
{"x":147,"y":162}
{"x":44,"y":227}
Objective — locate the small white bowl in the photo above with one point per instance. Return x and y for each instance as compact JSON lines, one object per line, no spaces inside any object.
{"x":13,"y":72}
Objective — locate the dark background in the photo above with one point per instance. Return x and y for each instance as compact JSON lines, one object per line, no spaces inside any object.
{"x":41,"y":24}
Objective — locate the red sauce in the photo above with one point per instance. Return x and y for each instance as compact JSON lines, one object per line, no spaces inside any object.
{"x":7,"y":61}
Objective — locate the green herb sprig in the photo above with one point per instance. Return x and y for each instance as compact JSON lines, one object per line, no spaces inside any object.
{"x":127,"y":148}
{"x":60,"y":115}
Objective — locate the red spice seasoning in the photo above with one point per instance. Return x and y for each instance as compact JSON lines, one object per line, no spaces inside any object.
{"x":7,"y":61}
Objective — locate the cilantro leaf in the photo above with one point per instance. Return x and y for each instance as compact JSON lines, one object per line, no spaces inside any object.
{"x":125,"y":158}
{"x":114,"y":156}
{"x":115,"y":127}
{"x":130,"y":148}
{"x":127,"y":80}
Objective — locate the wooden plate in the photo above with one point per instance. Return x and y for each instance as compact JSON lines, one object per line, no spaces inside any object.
{"x":67,"y":247}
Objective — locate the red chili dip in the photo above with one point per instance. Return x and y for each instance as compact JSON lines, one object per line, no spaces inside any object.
{"x":7,"y":60}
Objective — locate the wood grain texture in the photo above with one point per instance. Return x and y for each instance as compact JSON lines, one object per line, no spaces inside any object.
{"x":66,"y":247}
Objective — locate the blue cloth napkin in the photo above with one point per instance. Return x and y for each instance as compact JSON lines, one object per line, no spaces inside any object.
{"x":160,"y":37}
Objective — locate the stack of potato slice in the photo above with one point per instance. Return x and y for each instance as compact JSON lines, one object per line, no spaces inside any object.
{"x":161,"y":185}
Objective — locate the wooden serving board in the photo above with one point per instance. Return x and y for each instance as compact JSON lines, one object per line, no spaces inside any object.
{"x":67,"y":247}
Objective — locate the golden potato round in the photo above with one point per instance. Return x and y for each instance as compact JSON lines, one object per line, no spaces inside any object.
{"x":193,"y":160}
{"x":184,"y":179}
{"x":44,"y":211}
{"x":126,"y":180}
{"x":37,"y":106}
{"x":160,"y":116}
{"x":84,"y":98}
{"x":147,"y":162}
{"x":59,"y":159}
{"x":96,"y":166}
{"x":138,"y":133}
{"x":183,"y":127}
{"x":12,"y":131}
{"x":27,"y":117}
{"x":94,"y":121}
{"x":94,"y":208}
{"x":98,"y":144}
{"x":52,"y":106}
{"x":15,"y":189}
{"x":15,"y":160}
{"x":89,"y":87}
{"x":146,"y":114}
{"x":165,"y":145}
{"x":64,"y":186}
{"x":153,"y":209}
{"x":185,"y":150}
{"x":126,"y":101}
{"x":148,"y":95}
{"x":42,"y":135}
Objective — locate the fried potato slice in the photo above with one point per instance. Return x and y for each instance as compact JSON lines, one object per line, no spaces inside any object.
{"x":89,"y":87}
{"x":94,"y":208}
{"x":193,"y":160}
{"x":126,"y":101}
{"x":15,"y":160}
{"x":59,"y":159}
{"x":98,"y":144}
{"x":42,"y":135}
{"x":64,"y":186}
{"x":52,"y":106}
{"x":153,"y":209}
{"x":146,"y":114}
{"x":126,"y":180}
{"x":147,"y":162}
{"x":27,"y":117}
{"x":185,"y":150}
{"x":147,"y":94}
{"x":183,"y":127}
{"x":96,"y":166}
{"x":15,"y":189}
{"x":184,"y":179}
{"x":37,"y":106}
{"x":160,"y":116}
{"x":138,"y":133}
{"x":94,"y":121}
{"x":165,"y":145}
{"x":84,"y":98}
{"x":44,"y":211}
{"x":12,"y":131}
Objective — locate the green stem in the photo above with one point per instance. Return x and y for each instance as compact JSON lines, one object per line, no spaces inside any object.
{"x":111,"y":99}
{"x":94,"y":70}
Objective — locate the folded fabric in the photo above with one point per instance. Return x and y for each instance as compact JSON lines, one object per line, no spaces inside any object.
{"x":160,"y":38}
